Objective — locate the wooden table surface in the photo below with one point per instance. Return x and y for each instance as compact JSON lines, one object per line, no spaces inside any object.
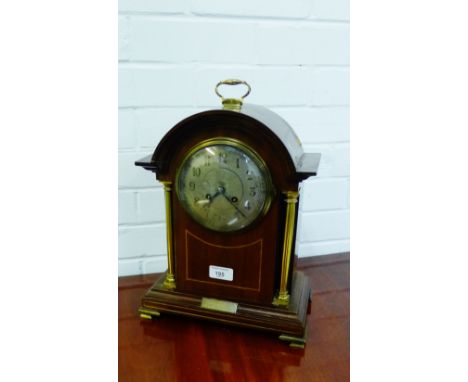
{"x":173,"y":348}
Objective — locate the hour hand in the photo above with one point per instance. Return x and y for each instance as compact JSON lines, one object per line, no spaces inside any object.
{"x":220,"y":191}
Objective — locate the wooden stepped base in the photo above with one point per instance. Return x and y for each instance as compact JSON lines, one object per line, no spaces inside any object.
{"x":289,"y":321}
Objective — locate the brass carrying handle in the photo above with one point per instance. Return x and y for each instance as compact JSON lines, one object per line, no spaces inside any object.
{"x":233,"y":82}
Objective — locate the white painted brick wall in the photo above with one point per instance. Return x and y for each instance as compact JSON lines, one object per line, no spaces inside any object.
{"x":295,"y":55}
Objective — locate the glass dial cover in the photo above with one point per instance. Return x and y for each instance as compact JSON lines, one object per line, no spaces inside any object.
{"x":224,"y":185}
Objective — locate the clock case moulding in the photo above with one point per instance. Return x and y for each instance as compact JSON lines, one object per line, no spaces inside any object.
{"x":267,"y":291}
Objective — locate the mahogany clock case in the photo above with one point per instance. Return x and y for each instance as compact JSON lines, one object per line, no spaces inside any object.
{"x":255,"y":252}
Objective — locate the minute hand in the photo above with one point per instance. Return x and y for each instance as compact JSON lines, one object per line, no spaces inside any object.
{"x":232,"y":203}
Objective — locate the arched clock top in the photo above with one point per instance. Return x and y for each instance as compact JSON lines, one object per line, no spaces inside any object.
{"x":258,"y":127}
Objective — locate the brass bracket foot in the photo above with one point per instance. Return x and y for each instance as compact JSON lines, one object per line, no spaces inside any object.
{"x":148,"y":314}
{"x":295,"y":342}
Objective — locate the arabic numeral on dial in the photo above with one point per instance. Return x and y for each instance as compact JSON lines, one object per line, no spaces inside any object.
{"x":222,"y":157}
{"x":191,"y":186}
{"x":196,"y":171}
{"x":253,"y":191}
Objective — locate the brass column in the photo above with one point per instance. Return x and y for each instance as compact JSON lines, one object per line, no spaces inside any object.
{"x":169,"y":282}
{"x":291,"y":201}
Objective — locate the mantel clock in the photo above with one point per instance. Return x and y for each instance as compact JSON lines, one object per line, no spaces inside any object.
{"x":231,"y":181}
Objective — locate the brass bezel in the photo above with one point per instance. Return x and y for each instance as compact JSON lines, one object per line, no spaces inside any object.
{"x":270,"y":191}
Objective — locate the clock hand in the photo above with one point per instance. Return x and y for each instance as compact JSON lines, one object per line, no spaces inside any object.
{"x":232,"y":203}
{"x":220,"y":191}
{"x":209,"y":198}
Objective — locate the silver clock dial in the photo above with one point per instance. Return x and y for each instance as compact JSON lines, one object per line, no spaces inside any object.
{"x":224,"y":186}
